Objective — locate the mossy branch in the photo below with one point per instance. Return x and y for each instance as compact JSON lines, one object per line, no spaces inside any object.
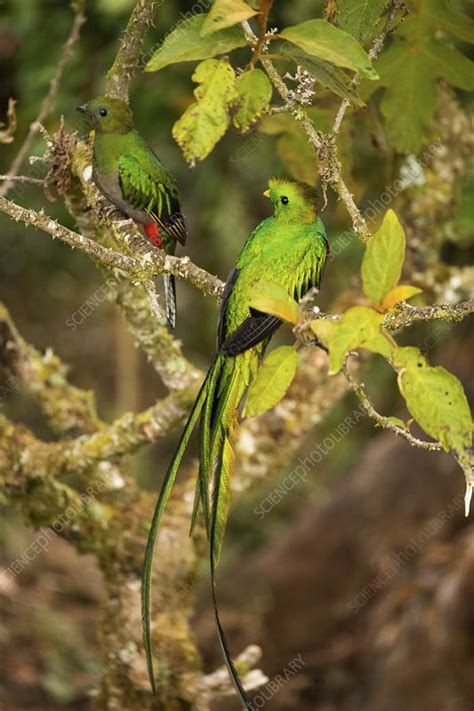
{"x":151,"y":263}
{"x":44,"y":376}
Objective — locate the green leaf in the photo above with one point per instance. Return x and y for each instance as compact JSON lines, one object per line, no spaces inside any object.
{"x":383,"y":258}
{"x":204,"y":123}
{"x":225,"y":13}
{"x":400,"y":423}
{"x":436,"y":399}
{"x":399,"y":293}
{"x":297,"y":156}
{"x":293,"y":147}
{"x":273,"y":379}
{"x":325,"y":73}
{"x":359,"y":327}
{"x":321,"y":39}
{"x":359,"y":17}
{"x":412,"y":65}
{"x":441,"y":15}
{"x":185,"y":44}
{"x":254,"y":92}
{"x":272,"y":299}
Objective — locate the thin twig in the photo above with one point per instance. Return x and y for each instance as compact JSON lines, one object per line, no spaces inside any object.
{"x":7,"y":131}
{"x":382,"y":421}
{"x":23,"y":179}
{"x":265,"y":7}
{"x":48,"y":101}
{"x":373,"y":54}
{"x":325,"y":149}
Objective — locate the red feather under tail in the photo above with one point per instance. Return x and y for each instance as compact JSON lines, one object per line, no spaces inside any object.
{"x":153,"y":234}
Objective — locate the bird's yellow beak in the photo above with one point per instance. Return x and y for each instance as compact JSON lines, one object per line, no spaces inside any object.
{"x":266,"y":193}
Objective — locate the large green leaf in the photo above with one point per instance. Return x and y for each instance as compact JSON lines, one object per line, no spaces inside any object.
{"x":185,"y":43}
{"x":359,"y":17}
{"x":383,"y":258}
{"x":436,"y":399}
{"x":273,"y":379}
{"x":359,"y":327}
{"x":411,"y":66}
{"x":321,"y":39}
{"x":440,"y":14}
{"x":225,"y":13}
{"x":325,"y":73}
{"x":205,"y":122}
{"x":254,"y":92}
{"x":271,"y":298}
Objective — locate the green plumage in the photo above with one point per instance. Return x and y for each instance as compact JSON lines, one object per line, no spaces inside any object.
{"x":132,"y":177}
{"x":289,"y":249}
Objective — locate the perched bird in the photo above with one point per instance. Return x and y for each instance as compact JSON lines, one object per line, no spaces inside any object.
{"x":290,"y":250}
{"x":132,"y":177}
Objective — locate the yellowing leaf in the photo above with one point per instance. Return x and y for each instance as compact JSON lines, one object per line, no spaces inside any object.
{"x":205,"y":122}
{"x":321,"y":39}
{"x":254,"y":92}
{"x":436,"y":399}
{"x":272,"y":299}
{"x":399,"y":293}
{"x":273,"y":379}
{"x":358,"y":328}
{"x":383,"y":258}
{"x":225,"y":13}
{"x":185,"y":44}
{"x":408,"y":357}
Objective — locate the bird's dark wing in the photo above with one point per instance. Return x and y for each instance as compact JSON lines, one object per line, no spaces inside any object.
{"x":252,"y":331}
{"x":156,"y":195}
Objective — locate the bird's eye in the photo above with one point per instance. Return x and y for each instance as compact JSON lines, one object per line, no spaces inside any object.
{"x":102,"y":112}
{"x":284,"y":200}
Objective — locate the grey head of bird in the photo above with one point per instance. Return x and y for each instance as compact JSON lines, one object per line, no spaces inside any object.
{"x":294,"y":201}
{"x":108,"y":115}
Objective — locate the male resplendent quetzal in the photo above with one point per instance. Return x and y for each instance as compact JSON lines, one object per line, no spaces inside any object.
{"x":290,"y":250}
{"x":133,"y":178}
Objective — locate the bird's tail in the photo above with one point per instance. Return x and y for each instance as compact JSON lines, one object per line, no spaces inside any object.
{"x":219,"y":422}
{"x":156,"y":520}
{"x":218,"y":402}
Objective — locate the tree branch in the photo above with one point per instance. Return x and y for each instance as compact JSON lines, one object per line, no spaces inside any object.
{"x":403,"y":314}
{"x":324,"y":147}
{"x":152,"y":263}
{"x":125,"y":63}
{"x":373,"y":54}
{"x":382,"y":421}
{"x":23,"y":179}
{"x":68,"y":408}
